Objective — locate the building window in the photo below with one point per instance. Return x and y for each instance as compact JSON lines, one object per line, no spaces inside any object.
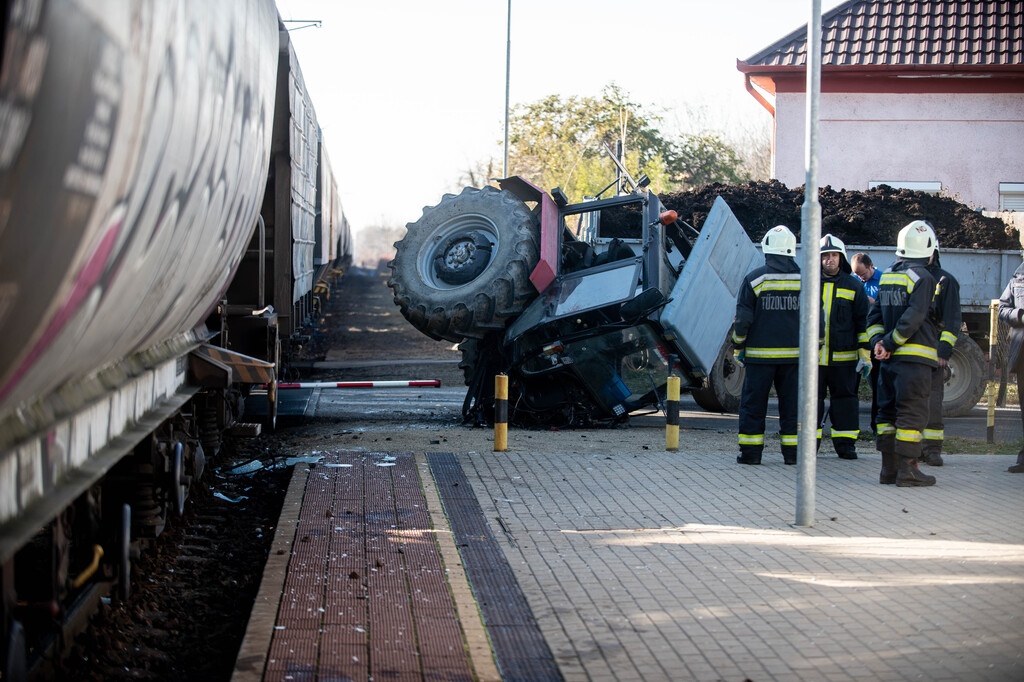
{"x":929,"y":187}
{"x":1011,"y":196}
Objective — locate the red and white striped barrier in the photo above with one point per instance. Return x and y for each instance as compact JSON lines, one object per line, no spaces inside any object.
{"x":432,"y":383}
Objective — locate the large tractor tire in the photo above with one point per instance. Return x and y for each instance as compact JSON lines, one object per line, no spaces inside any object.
{"x":965,"y":383}
{"x":463,"y":269}
{"x":725,"y":384}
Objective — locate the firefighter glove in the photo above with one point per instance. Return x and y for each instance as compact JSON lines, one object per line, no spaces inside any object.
{"x":864,"y":363}
{"x":739,"y":356}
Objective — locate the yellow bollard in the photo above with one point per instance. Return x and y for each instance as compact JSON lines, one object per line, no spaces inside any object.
{"x":993,"y":341}
{"x":500,"y":413}
{"x":672,"y":415}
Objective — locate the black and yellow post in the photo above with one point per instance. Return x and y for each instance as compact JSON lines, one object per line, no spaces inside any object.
{"x":672,"y":415}
{"x":993,"y":336}
{"x":500,"y":413}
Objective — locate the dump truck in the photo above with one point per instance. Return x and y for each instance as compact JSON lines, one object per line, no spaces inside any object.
{"x":587,"y":307}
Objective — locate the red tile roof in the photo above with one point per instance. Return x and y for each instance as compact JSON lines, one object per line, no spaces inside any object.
{"x":900,"y":33}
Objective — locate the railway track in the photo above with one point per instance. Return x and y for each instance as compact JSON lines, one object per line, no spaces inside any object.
{"x":192,"y":588}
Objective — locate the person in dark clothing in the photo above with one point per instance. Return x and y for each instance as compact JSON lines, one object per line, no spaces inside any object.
{"x":904,"y":336}
{"x":1011,"y":311}
{"x":766,"y":336}
{"x":946,"y":305}
{"x":844,"y":311}
{"x":871,"y":276}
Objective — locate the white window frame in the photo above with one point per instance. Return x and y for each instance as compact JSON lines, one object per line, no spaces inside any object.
{"x":1011,"y":196}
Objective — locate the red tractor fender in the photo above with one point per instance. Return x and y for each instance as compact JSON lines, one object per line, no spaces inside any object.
{"x":547,"y":268}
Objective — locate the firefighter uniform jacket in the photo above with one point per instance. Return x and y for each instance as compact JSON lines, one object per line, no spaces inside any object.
{"x":845,"y":312}
{"x":947,"y":308}
{"x":767,"y":324}
{"x":901,"y":317}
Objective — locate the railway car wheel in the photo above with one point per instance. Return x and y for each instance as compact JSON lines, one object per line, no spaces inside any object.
{"x":463,"y":269}
{"x":965,"y":382}
{"x":725,"y":384}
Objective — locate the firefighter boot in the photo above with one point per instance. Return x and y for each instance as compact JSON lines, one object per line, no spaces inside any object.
{"x":846,"y":448}
{"x":888,"y":474}
{"x":909,"y":476}
{"x":1018,"y":468}
{"x":931,"y":458}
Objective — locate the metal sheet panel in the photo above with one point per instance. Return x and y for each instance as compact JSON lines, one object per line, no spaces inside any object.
{"x":704,"y":297}
{"x":982,"y":273}
{"x":304,"y":144}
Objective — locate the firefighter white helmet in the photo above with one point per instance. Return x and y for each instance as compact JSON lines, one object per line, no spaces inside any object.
{"x":830,"y":244}
{"x":916,"y":240}
{"x":780,"y":241}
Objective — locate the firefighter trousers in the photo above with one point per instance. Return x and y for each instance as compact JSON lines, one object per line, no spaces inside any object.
{"x":903,"y":393}
{"x":840,"y":381}
{"x":931,"y":444}
{"x":757,"y":382}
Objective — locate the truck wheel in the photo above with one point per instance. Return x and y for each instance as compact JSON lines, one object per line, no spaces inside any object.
{"x":725,"y":384}
{"x":966,"y":382}
{"x":464,"y":267}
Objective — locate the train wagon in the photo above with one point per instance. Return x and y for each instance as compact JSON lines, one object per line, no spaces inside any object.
{"x":147,"y":150}
{"x":301,"y":237}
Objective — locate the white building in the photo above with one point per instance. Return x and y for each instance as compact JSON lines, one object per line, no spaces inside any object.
{"x":920,"y":94}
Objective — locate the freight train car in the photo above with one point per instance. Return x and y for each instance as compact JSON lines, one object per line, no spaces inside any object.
{"x":302,"y":236}
{"x":139,"y":146}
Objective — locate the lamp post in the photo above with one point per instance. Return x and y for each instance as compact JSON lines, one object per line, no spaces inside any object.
{"x":810,"y":276}
{"x":508,"y":65}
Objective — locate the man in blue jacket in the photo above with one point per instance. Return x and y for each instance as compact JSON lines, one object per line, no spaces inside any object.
{"x":1011,"y":311}
{"x":766,"y":337}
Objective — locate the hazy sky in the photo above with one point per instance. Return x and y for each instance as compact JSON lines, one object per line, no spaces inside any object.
{"x":410,"y":93}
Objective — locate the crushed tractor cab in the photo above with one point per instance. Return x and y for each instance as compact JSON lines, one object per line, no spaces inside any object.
{"x":588,"y":308}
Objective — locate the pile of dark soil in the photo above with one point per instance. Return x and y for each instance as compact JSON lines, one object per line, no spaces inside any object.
{"x":870,"y":218}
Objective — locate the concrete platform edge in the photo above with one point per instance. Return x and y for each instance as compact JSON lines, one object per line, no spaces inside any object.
{"x":252,"y":654}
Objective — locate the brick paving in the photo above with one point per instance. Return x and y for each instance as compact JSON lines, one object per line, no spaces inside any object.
{"x":358,"y":590}
{"x":647,"y":566}
{"x":651,"y":566}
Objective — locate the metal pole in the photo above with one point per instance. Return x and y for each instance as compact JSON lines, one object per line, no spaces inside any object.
{"x":993,"y":344}
{"x":618,"y":172}
{"x":508,"y":70}
{"x":810,"y":291}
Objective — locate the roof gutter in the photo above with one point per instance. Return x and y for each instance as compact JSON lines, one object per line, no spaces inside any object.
{"x":757,"y":95}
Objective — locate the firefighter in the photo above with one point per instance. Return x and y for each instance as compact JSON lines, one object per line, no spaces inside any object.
{"x":946,"y":306}
{"x":766,"y":336}
{"x":904,"y":336}
{"x":845,"y":348}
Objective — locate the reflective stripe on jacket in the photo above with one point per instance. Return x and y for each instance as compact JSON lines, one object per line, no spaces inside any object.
{"x":901,"y":317}
{"x":844,"y":311}
{"x":767,"y":323}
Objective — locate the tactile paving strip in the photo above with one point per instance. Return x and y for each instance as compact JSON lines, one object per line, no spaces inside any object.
{"x":519,"y":646}
{"x":366,"y":596}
